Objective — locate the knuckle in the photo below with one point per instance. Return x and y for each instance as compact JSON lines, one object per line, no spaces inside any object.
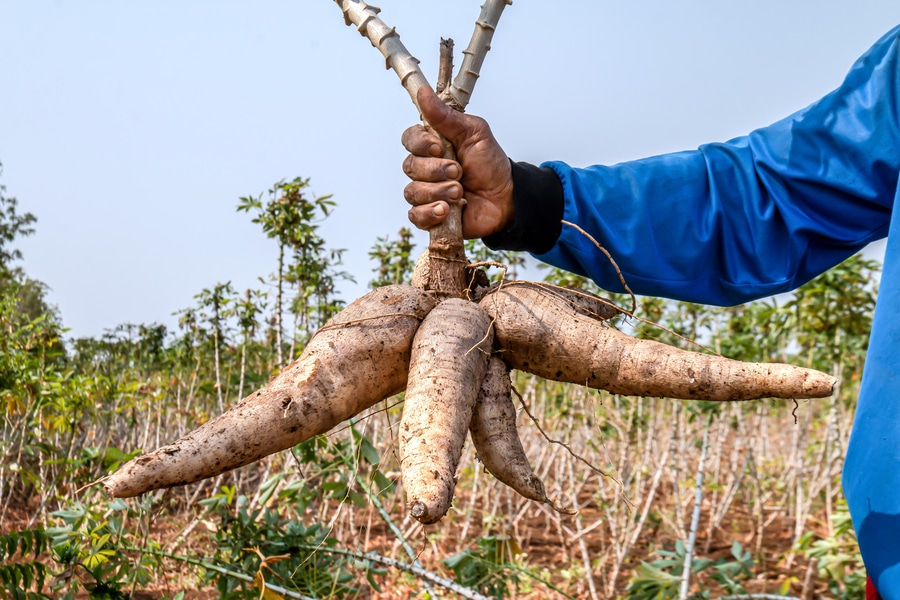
{"x":406,"y":136}
{"x":408,"y":165}
{"x":417,"y":218}
{"x":409,"y":193}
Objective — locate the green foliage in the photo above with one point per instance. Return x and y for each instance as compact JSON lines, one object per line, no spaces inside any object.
{"x":36,"y":391}
{"x":27,"y":296}
{"x":12,"y":225}
{"x":730,"y":574}
{"x":292,"y":218}
{"x":394,"y":258}
{"x":837,"y":557}
{"x":273,"y":540}
{"x":289,"y":215}
{"x":22,"y":570}
{"x":332,"y":459}
{"x":831,"y":316}
{"x":214,"y":306}
{"x":661,"y":579}
{"x":491,"y":568}
{"x":248,"y":541}
{"x":651,"y":582}
{"x":247,"y":311}
{"x":87,"y":542}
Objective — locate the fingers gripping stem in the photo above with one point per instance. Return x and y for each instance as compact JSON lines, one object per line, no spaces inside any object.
{"x":448,"y":277}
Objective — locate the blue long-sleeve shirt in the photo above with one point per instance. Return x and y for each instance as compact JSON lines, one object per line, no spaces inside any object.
{"x":755,"y":216}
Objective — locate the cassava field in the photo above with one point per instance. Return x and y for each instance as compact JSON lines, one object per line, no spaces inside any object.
{"x":746,"y":494}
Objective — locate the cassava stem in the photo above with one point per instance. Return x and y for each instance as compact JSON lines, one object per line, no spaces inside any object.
{"x":387,"y":41}
{"x":358,"y":358}
{"x":446,"y":251}
{"x":546,"y":336}
{"x":460,"y":91}
{"x":446,"y":240}
{"x":447,"y":275}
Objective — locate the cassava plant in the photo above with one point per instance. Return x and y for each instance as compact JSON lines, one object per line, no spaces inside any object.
{"x":288,"y":218}
{"x":436,"y":339}
{"x":395,"y":259}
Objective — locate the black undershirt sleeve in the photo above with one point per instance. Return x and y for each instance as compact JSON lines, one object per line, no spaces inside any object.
{"x":538,"y":202}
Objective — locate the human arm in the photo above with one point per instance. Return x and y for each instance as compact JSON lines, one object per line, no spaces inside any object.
{"x":755,"y":216}
{"x":733,"y":221}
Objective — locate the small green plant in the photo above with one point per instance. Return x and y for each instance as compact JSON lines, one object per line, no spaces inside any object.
{"x":22,"y":571}
{"x":661,"y":579}
{"x":654,"y":582}
{"x":491,"y":567}
{"x":395,"y":259}
{"x":280,"y":549}
{"x":838,"y":560}
{"x":94,"y":550}
{"x":292,"y":217}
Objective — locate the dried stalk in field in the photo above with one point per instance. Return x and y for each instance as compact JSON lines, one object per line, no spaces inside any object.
{"x":695,"y":515}
{"x":364,"y":354}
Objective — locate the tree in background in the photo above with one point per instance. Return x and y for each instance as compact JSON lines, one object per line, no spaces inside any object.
{"x":30,"y":294}
{"x":12,"y":225}
{"x":291,"y":218}
{"x":394,"y":257}
{"x":214,"y":307}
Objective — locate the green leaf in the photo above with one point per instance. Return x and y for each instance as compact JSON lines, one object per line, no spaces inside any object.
{"x":337,"y":488}
{"x":26,"y":571}
{"x":26,"y":538}
{"x":59,"y":535}
{"x":70,"y":515}
{"x":368,"y":451}
{"x":12,"y":542}
{"x":358,"y":499}
{"x":382,"y":485}
{"x":370,"y":577}
{"x":99,"y":541}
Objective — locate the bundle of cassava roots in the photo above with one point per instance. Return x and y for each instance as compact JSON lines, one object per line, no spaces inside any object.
{"x":450,"y":344}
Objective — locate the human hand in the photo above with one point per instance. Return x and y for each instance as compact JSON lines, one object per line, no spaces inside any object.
{"x":482,"y":175}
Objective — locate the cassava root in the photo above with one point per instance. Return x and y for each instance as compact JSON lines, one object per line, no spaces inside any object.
{"x":358,"y":358}
{"x":545,"y":335}
{"x":449,"y":357}
{"x":400,"y":337}
{"x":495,"y":437}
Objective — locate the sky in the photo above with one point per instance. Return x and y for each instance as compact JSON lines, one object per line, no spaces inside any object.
{"x":130,"y":129}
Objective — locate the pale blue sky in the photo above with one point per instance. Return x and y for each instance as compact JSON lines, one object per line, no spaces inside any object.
{"x":131,"y":128}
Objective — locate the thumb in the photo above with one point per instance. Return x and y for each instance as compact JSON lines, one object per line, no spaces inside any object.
{"x":443,"y":119}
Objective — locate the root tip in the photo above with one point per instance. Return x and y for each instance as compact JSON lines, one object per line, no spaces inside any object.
{"x":420,"y":512}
